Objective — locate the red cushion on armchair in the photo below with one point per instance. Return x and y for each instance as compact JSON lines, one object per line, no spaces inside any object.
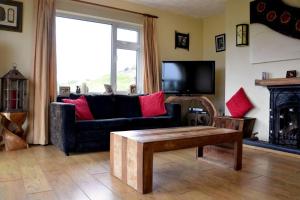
{"x":239,"y":104}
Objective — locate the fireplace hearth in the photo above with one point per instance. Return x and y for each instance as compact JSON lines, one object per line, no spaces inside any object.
{"x":285,"y":116}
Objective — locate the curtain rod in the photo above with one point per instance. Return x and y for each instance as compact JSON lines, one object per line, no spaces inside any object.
{"x":114,"y":8}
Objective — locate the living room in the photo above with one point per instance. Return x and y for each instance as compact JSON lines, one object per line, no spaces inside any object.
{"x":43,"y":171}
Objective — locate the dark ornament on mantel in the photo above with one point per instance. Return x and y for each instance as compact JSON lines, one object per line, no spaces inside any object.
{"x":276,"y":15}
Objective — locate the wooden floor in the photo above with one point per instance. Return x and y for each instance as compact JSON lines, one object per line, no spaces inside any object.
{"x":45,"y":173}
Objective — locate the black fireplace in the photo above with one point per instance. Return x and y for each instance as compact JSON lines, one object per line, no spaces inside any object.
{"x":285,"y":116}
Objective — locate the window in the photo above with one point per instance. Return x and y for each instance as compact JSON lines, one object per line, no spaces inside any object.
{"x":126,"y":68}
{"x":97,"y":52}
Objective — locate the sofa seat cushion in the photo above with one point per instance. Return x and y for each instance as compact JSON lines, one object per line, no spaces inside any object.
{"x":101,"y":106}
{"x":101,"y":124}
{"x":99,"y":129}
{"x":127,"y":106}
{"x":150,"y":122}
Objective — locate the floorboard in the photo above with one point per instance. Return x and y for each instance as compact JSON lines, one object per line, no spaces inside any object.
{"x":45,"y":173}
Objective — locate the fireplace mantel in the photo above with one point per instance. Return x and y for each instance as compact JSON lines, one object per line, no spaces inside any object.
{"x":278,"y":82}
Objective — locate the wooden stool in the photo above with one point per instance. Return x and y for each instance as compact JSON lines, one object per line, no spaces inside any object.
{"x":13,"y":135}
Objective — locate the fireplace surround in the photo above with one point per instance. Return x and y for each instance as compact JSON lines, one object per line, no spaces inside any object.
{"x":285,"y":116}
{"x":284,"y":133}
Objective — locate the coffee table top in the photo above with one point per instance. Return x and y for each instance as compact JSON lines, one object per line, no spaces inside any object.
{"x":168,"y":134}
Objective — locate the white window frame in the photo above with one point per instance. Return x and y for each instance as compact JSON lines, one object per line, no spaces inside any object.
{"x":115,"y":44}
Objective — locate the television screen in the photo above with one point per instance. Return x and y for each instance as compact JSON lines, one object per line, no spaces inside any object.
{"x":188,"y":77}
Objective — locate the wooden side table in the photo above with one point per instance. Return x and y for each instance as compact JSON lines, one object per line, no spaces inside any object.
{"x":244,"y":124}
{"x":224,"y":152}
{"x":13,"y":135}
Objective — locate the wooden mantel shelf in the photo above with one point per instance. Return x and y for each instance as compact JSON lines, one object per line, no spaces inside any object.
{"x":278,"y":82}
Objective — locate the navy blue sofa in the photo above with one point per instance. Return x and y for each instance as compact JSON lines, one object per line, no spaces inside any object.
{"x":111,"y":113}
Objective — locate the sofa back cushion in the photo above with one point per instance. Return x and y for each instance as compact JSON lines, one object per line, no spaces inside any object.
{"x":101,"y":106}
{"x":127,"y":106}
{"x":60,"y":98}
{"x":111,"y":106}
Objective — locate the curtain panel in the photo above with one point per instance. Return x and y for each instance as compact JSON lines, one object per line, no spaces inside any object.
{"x":43,"y":80}
{"x":151,"y":60}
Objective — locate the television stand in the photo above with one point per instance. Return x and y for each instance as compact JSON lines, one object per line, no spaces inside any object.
{"x":187,"y":102}
{"x":186,"y":95}
{"x":198,"y":118}
{"x":183,"y":95}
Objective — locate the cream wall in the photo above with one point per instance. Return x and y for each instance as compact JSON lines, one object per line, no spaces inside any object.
{"x":240,"y":73}
{"x":16,"y":47}
{"x":213,"y":26}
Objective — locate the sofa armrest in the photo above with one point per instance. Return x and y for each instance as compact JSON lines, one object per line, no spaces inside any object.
{"x":174,"y":110}
{"x":62,"y":126}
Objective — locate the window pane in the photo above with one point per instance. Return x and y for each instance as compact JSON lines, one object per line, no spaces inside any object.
{"x":126,"y":69}
{"x":83,"y":53}
{"x":127,"y":35}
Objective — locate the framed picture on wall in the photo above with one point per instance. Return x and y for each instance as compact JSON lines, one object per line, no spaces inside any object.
{"x":11,"y":15}
{"x":182,"y":40}
{"x":220,"y":43}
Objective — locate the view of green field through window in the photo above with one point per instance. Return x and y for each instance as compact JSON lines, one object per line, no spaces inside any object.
{"x":84,"y":55}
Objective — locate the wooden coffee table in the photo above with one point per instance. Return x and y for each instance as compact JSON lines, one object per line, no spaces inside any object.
{"x":131,"y":152}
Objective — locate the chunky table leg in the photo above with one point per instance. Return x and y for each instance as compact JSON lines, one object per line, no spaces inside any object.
{"x":132,"y":162}
{"x":145,"y":168}
{"x":199,"y":152}
{"x":238,"y":150}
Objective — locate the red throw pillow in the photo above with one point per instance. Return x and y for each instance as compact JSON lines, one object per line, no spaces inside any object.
{"x":82,"y":110}
{"x":153,"y":105}
{"x":239,"y":104}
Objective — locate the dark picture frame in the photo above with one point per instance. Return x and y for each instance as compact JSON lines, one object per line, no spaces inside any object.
{"x":11,"y":15}
{"x":242,"y":35}
{"x":291,"y":74}
{"x":220,"y":41}
{"x":182,"y":40}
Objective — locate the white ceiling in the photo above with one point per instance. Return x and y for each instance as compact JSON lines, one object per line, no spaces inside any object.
{"x":194,"y":8}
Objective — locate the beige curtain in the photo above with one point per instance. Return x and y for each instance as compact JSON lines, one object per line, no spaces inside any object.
{"x":151,"y":67}
{"x":43,"y":80}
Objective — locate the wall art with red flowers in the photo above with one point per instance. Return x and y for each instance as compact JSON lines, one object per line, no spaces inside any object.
{"x":276,"y":15}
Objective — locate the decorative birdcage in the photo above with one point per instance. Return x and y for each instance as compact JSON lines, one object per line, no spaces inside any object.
{"x":13,"y":92}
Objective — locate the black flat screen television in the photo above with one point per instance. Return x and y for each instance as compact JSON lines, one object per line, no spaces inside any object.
{"x":188,"y":77}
